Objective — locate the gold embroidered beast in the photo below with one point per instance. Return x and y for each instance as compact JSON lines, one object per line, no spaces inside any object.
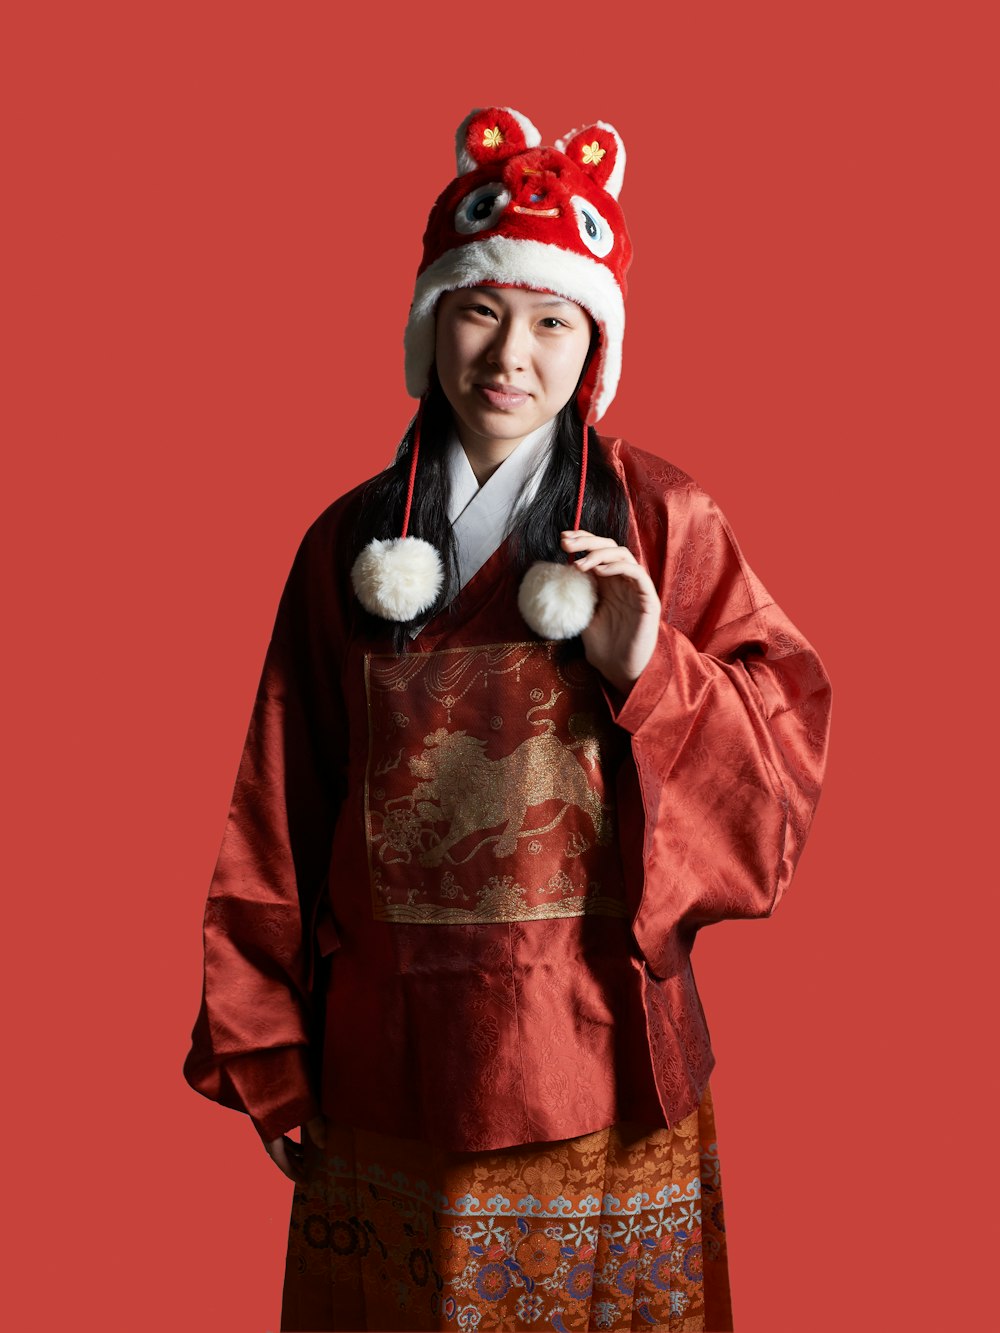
{"x":486,"y":797}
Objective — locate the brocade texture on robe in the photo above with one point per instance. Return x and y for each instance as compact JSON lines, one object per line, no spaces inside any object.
{"x":459,"y":886}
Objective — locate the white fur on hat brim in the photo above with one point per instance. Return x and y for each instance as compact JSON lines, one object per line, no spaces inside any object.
{"x":587,"y":282}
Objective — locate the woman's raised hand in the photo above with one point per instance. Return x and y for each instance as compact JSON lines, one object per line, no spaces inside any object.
{"x":286,"y":1154}
{"x":620,"y":639}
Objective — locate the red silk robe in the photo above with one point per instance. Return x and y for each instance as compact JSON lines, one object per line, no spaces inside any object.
{"x":458,"y":887}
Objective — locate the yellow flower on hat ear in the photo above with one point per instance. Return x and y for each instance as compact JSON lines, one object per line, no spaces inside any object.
{"x":592,"y":153}
{"x":492,"y":138}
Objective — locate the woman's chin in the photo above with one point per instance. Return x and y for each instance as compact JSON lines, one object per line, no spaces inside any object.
{"x":502,"y":423}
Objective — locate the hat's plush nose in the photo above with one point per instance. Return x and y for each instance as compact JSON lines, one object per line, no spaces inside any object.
{"x":535,"y":188}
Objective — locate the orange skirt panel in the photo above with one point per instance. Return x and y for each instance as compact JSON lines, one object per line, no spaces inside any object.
{"x":619,"y":1229}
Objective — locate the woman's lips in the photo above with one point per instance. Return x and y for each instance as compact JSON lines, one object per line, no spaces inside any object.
{"x":503,"y":395}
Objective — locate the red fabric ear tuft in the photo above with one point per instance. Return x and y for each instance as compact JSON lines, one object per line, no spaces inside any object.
{"x":493,"y":135}
{"x":595,"y":151}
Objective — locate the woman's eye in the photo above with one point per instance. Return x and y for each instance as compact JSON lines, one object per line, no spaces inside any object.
{"x":595,"y":233}
{"x":551,"y":322}
{"x":481,"y":208}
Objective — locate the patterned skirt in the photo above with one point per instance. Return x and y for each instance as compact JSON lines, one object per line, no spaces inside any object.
{"x":619,"y":1229}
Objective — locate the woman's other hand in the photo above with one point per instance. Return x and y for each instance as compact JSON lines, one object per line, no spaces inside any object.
{"x":620,"y":639}
{"x":286,"y":1154}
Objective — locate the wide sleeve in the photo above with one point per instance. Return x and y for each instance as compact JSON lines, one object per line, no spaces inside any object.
{"x":729,"y":727}
{"x":250,"y":1047}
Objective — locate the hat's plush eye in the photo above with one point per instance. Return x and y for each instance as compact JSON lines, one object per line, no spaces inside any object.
{"x":595,"y":233}
{"x":481,"y":208}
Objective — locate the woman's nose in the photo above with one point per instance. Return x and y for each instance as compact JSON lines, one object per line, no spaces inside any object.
{"x":508,"y":350}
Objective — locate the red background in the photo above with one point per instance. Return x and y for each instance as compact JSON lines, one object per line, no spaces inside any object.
{"x":215,"y":214}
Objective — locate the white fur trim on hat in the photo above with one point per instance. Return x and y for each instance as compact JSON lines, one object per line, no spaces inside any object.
{"x":557,"y":601}
{"x":526,"y":263}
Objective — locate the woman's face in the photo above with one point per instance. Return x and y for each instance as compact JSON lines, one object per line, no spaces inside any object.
{"x":508,"y":358}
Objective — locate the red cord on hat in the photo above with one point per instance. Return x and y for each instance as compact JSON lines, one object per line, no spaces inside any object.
{"x":583,"y":481}
{"x":413,"y":468}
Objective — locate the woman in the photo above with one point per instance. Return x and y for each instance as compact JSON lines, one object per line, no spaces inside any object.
{"x":527,"y":722}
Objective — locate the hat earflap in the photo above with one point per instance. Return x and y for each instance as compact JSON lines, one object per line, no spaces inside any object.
{"x":399,"y":577}
{"x":556,"y":599}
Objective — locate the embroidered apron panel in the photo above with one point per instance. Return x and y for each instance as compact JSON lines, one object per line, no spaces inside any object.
{"x":489,"y":788}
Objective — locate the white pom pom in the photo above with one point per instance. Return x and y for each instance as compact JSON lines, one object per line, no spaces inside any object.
{"x":398,"y":578}
{"x":557,"y":601}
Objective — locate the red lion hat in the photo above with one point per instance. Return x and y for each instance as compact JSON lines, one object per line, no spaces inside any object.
{"x":527,"y":216}
{"x":519,"y":215}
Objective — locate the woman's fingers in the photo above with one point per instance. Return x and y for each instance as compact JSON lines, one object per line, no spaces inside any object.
{"x":585,"y":541}
{"x":629,"y":568}
{"x":612,"y":566}
{"x":613,"y":554}
{"x":605,"y":557}
{"x":289,"y":1156}
{"x":639,"y":580}
{"x":597,"y":549}
{"x":620,"y":639}
{"x":286,"y":1154}
{"x":316,"y":1129}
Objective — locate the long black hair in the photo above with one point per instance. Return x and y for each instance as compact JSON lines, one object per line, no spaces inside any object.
{"x":537,"y":526}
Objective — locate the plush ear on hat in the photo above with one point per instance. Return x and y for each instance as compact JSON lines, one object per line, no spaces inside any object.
{"x":492,"y":135}
{"x":599,"y":152}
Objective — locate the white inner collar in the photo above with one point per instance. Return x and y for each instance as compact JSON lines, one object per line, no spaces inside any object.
{"x":504,"y":485}
{"x":480,"y":515}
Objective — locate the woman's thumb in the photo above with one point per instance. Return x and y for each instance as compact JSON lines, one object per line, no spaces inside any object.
{"x":316,"y":1129}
